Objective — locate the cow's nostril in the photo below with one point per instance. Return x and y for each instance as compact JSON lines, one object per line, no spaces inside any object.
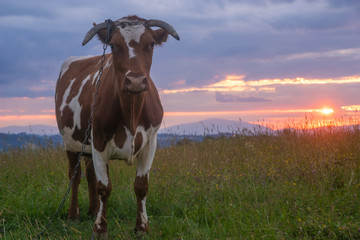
{"x":127,"y":82}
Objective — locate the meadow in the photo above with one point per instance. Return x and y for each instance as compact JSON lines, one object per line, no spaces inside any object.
{"x":296,"y":185}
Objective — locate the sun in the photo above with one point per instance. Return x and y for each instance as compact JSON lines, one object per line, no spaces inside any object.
{"x":326,"y":111}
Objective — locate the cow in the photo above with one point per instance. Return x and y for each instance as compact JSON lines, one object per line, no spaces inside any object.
{"x":127,"y":112}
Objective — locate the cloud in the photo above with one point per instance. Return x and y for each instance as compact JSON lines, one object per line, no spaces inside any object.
{"x":232,"y":98}
{"x":350,"y":53}
{"x":281,"y":50}
{"x":351,"y":108}
{"x":235,"y":83}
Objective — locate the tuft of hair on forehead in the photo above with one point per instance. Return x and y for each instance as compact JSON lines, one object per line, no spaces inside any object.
{"x":134,"y":18}
{"x":159,"y":35}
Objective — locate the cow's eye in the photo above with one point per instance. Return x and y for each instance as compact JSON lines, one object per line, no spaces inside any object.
{"x":152,"y":45}
{"x":112,"y":47}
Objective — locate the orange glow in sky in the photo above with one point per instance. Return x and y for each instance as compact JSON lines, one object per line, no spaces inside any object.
{"x":25,"y":120}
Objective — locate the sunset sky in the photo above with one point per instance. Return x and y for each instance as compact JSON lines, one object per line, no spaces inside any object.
{"x":254,"y":60}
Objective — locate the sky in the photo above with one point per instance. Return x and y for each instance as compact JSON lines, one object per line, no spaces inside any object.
{"x":270,"y":61}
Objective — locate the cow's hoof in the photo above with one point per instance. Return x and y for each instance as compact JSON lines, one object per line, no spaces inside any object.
{"x":92,"y":213}
{"x":140,"y":234}
{"x":75,"y":219}
{"x":99,"y":236}
{"x":74,"y":216}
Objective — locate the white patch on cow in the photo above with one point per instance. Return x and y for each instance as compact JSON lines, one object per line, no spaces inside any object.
{"x":95,"y":77}
{"x":132,"y":33}
{"x":66,"y":95}
{"x":99,"y":215}
{"x":74,"y":105}
{"x":126,"y":152}
{"x":108,"y":63}
{"x":65,"y":66}
{"x":70,"y":143}
{"x":146,"y":155}
{"x":100,"y":160}
{"x":143,"y":215}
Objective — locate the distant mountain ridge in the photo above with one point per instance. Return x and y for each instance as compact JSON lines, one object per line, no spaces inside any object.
{"x":212,"y":126}
{"x":36,"y":129}
{"x":215,"y":126}
{"x":39,"y":135}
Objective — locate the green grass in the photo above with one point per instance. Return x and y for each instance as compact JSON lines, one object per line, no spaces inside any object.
{"x":291,"y":186}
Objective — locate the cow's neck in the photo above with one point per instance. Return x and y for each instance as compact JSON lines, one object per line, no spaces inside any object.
{"x":132,"y":108}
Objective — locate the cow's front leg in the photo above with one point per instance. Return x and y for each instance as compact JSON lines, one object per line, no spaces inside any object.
{"x":141,"y":190}
{"x":144,"y":162}
{"x":103,"y":188}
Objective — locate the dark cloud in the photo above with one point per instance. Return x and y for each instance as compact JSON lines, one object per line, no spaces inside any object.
{"x":251,"y":38}
{"x":233,"y":98}
{"x":322,"y":21}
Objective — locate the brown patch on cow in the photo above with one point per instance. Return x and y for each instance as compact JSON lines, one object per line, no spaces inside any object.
{"x":120,"y":137}
{"x":141,"y":187}
{"x":67,"y":117}
{"x":138,"y":142}
{"x":104,"y":191}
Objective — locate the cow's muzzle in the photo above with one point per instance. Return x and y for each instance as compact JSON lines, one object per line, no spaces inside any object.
{"x":135,"y":84}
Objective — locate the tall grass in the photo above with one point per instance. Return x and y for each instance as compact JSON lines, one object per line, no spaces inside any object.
{"x":297,"y":185}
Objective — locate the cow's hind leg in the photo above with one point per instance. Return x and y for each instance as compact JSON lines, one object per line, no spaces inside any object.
{"x":73,"y":213}
{"x":91,"y":180}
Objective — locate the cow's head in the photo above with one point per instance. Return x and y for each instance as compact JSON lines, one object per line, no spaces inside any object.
{"x":132,"y":42}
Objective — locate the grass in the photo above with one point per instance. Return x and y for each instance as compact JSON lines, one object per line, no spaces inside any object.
{"x":291,"y":186}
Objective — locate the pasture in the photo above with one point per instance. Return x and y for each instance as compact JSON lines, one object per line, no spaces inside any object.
{"x":291,"y":186}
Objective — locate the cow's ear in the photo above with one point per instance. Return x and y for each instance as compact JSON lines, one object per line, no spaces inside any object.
{"x":160,"y":36}
{"x":101,"y":34}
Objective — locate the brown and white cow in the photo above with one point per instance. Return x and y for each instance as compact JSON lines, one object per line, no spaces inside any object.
{"x":127,"y":114}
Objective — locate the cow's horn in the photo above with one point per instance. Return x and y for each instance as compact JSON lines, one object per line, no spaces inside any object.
{"x":163,"y":25}
{"x":93,"y":31}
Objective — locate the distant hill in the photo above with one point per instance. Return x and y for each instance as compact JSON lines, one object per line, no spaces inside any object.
{"x":214,"y":126}
{"x":34,"y":136}
{"x":31,"y":141}
{"x":31,"y":129}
